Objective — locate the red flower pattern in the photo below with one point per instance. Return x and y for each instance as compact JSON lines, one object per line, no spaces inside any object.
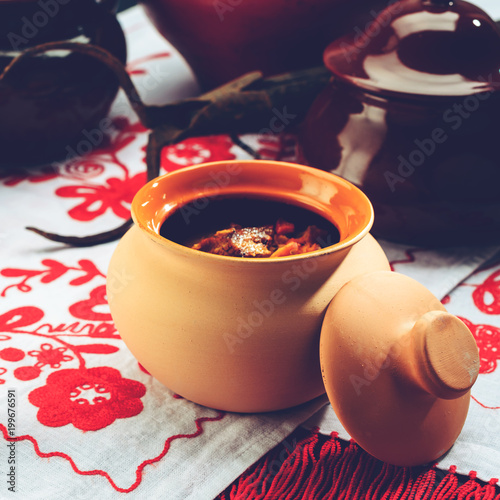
{"x":277,"y":147}
{"x":488,"y":342}
{"x":116,"y":196}
{"x":11,"y":354}
{"x":86,"y":309}
{"x":17,"y":318}
{"x":133,"y":67}
{"x":197,"y":150}
{"x":25,"y":373}
{"x":90,"y":399}
{"x":53,"y":271}
{"x":48,"y":355}
{"x":81,"y":169}
{"x":487,"y":296}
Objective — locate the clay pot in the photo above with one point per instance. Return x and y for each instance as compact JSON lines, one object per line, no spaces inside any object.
{"x":49,"y":102}
{"x":251,"y":335}
{"x":227,"y":332}
{"x":411,"y":117}
{"x":224,"y":39}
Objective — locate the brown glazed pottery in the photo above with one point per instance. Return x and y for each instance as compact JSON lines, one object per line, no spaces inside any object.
{"x":412,"y":118}
{"x":223,"y":39}
{"x":50,"y":102}
{"x":243,"y":334}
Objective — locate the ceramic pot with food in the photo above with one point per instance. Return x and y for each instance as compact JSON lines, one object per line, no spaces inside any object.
{"x":412,"y":117}
{"x":234,"y":333}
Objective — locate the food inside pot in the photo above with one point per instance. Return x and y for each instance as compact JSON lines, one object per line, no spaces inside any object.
{"x":249,"y":227}
{"x":264,"y":241}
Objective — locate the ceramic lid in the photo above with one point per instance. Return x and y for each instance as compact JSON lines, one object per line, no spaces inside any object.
{"x":397,"y":367}
{"x":421,"y":48}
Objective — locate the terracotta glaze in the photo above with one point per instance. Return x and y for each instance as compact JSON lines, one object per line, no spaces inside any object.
{"x":397,"y":368}
{"x":227,"y":332}
{"x":411,"y":117}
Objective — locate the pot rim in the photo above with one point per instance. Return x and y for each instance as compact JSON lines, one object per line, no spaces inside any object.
{"x":268,"y":180}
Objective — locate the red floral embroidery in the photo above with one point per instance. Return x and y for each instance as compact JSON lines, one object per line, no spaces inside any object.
{"x":115,"y":196}
{"x":47,"y":355}
{"x":20,"y":317}
{"x":90,"y":399}
{"x":105,"y":146}
{"x":143,"y":369}
{"x":488,"y":342}
{"x":277,"y":147}
{"x":487,"y":296}
{"x":485,"y":406}
{"x":125,"y":129}
{"x":25,"y":373}
{"x":53,"y":270}
{"x":15,"y":320}
{"x":85,"y":309}
{"x":11,"y":354}
{"x":133,"y":66}
{"x":81,"y":169}
{"x":139,"y":473}
{"x":197,"y":150}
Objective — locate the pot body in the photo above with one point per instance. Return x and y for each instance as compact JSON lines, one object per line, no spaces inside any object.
{"x":50,"y":101}
{"x":227,"y":332}
{"x":430,"y":167}
{"x":223,"y":39}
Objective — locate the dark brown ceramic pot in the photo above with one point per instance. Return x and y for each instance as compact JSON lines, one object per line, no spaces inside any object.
{"x":412,"y":117}
{"x":223,"y":39}
{"x":49,"y":101}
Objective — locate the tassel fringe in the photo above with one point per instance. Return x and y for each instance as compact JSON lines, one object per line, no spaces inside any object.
{"x":318,"y":467}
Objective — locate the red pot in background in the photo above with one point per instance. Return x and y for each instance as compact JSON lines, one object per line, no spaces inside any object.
{"x":223,"y":39}
{"x":412,"y":117}
{"x":48,"y":101}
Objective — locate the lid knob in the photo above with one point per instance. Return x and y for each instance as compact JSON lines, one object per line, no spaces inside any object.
{"x":445,"y":361}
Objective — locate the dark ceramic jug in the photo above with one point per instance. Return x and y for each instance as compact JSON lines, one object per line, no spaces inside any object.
{"x":48,"y":102}
{"x":412,"y":117}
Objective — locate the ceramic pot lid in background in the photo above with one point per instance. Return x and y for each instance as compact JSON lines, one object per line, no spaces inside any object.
{"x":421,"y":48}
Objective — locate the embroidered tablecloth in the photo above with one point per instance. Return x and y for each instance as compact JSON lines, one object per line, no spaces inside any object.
{"x":80,"y":418}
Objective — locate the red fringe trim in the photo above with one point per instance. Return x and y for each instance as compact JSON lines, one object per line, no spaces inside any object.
{"x":308,"y":465}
